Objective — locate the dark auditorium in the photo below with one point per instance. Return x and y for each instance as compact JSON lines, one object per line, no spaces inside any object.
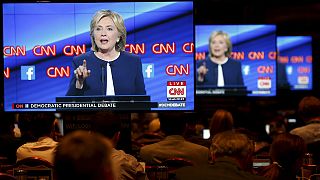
{"x":160,"y":90}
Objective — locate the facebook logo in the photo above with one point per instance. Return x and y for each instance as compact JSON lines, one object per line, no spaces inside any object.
{"x":148,"y":70}
{"x":246,"y":70}
{"x":289,"y":70}
{"x":28,"y":73}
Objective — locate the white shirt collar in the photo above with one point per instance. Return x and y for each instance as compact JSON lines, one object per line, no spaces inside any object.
{"x":108,"y":60}
{"x":220,"y":62}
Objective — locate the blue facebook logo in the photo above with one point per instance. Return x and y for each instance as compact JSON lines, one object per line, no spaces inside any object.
{"x":148,"y":70}
{"x":28,"y":73}
{"x":245,"y":70}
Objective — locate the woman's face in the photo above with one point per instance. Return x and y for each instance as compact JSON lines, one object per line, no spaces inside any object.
{"x":106,"y":34}
{"x":218,"y":46}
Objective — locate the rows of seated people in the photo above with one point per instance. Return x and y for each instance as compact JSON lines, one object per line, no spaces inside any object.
{"x":227,"y":154}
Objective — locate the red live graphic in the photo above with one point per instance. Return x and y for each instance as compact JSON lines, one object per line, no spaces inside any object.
{"x":176,"y":90}
{"x":264,"y":82}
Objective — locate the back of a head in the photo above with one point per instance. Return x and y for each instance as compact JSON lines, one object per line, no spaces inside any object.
{"x":286,"y":149}
{"x":83,"y":156}
{"x":106,"y":123}
{"x":172,"y":123}
{"x":277,"y":126}
{"x":232,"y":144}
{"x":221,"y":120}
{"x":40,"y":123}
{"x":309,"y":107}
{"x":7,"y":123}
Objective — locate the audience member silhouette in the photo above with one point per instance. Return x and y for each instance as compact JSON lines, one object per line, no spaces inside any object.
{"x":277,"y":125}
{"x":25,"y":126}
{"x":41,"y":125}
{"x":83,"y":156}
{"x":287,"y":152}
{"x":143,"y":123}
{"x":174,"y":145}
{"x":125,"y":165}
{"x":221,"y":120}
{"x":8,"y":143}
{"x":232,"y":152}
{"x":309,"y":111}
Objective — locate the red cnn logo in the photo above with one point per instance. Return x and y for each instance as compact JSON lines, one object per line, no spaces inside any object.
{"x":14,"y":51}
{"x":176,"y":90}
{"x":71,"y":50}
{"x":264,"y":82}
{"x":136,"y":48}
{"x":17,"y":106}
{"x":173,"y":69}
{"x":167,"y":48}
{"x":265,"y":69}
{"x":44,"y":50}
{"x":54,"y":72}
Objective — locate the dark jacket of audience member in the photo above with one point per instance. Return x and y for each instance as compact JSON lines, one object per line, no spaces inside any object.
{"x":232,"y":154}
{"x":174,"y":145}
{"x":8,"y":143}
{"x":125,"y":165}
{"x":287,"y":152}
{"x":82,"y":155}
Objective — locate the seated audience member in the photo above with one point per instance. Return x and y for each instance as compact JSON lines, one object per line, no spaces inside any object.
{"x":82,"y":155}
{"x":173,"y":145}
{"x":287,"y":152}
{"x":145,"y":130}
{"x":41,"y":126}
{"x":221,"y":120}
{"x":276,"y":125}
{"x":56,"y":132}
{"x":154,"y":125}
{"x":25,"y":126}
{"x":309,"y":111}
{"x":126,"y":166}
{"x":195,"y":128}
{"x":8,"y":142}
{"x":232,"y":152}
{"x":144,"y":123}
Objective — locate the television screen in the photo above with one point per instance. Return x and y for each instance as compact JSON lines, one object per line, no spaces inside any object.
{"x":235,"y":60}
{"x":40,"y":41}
{"x":294,"y":62}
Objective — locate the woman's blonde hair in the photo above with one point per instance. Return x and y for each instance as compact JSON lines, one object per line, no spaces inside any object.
{"x":119,"y":23}
{"x":225,"y":37}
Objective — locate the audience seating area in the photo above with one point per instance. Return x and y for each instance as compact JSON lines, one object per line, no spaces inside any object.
{"x":33,"y":168}
{"x":5,"y":176}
